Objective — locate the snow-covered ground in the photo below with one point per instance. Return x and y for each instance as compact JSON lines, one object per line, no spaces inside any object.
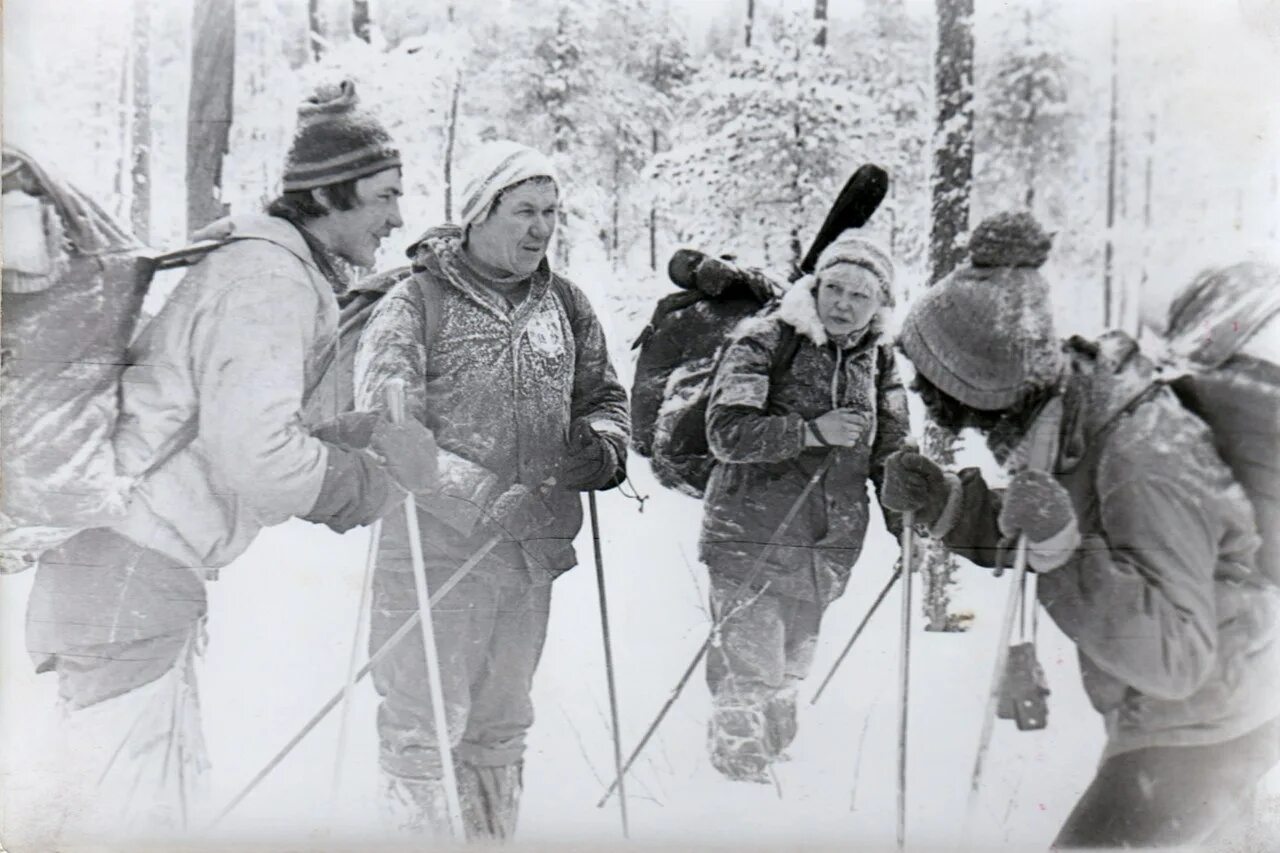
{"x":281,"y":625}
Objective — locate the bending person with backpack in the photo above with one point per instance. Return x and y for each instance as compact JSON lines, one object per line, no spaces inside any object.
{"x":1143,"y":542}
{"x":213,"y":435}
{"x":805,"y":406}
{"x":506,"y":362}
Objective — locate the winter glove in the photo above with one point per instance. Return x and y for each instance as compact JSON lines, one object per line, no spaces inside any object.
{"x":520,"y":511}
{"x":594,"y":463}
{"x":913,"y":483}
{"x":1037,"y":506}
{"x":838,"y":428}
{"x":350,"y":430}
{"x":355,"y":492}
{"x":409,"y":452}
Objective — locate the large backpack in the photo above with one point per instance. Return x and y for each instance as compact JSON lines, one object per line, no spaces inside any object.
{"x":680,"y":349}
{"x":1218,"y":328}
{"x":71,"y":307}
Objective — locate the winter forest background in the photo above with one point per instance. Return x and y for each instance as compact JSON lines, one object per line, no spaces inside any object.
{"x":1145,"y":134}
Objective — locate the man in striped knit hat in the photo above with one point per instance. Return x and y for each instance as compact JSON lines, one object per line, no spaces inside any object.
{"x":214,"y":437}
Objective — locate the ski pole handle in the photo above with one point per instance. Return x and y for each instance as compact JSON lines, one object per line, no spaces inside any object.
{"x":394,"y":392}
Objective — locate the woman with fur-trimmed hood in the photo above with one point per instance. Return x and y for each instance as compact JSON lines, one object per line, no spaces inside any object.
{"x":806,"y":405}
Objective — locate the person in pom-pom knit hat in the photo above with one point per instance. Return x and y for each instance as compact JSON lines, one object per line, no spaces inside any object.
{"x":506,"y":362}
{"x":1143,"y":544}
{"x":216,"y":441}
{"x":805,"y":394}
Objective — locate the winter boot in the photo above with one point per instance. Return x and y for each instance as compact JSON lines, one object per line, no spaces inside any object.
{"x":416,"y":806}
{"x":780,"y":723}
{"x":490,"y":799}
{"x":737,"y":742}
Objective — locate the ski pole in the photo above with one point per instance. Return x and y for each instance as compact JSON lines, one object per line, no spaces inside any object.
{"x":395,"y":402}
{"x":366,"y":585}
{"x":1043,"y":444}
{"x":904,"y":670}
{"x":717,"y":623}
{"x":997,"y":677}
{"x":875,"y":605}
{"x":385,"y":649}
{"x":608,"y":663}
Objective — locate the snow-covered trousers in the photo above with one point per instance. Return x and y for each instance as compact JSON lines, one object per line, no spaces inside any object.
{"x":765,"y":643}
{"x":489,"y":631}
{"x":1165,"y":796}
{"x":764,"y":649}
{"x":137,"y":762}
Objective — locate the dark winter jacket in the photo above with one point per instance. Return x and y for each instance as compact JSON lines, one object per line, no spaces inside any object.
{"x":757,"y":432}
{"x":1175,"y":629}
{"x":499,"y":387}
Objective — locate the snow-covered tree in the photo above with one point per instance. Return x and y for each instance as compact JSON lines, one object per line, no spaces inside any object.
{"x":1027,"y":127}
{"x":762,"y":145}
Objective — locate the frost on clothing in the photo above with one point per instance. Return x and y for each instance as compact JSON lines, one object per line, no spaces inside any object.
{"x":499,"y":388}
{"x":1176,"y":630}
{"x":757,"y":433}
{"x":237,"y":346}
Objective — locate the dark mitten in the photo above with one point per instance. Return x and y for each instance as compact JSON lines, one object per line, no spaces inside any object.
{"x":355,"y":491}
{"x":409,"y":451}
{"x":351,"y":430}
{"x":1037,"y":505}
{"x":593,"y":463}
{"x":913,"y":483}
{"x":520,"y":511}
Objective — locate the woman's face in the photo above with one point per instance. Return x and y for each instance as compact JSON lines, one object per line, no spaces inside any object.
{"x":848,"y":296}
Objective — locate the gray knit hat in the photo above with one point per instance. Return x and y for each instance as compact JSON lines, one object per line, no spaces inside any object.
{"x":984,"y":334}
{"x":336,"y":141}
{"x":852,"y":248}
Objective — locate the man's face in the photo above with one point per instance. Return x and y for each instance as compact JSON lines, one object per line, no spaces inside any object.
{"x":848,"y":297}
{"x":357,"y":233}
{"x":515,"y":235}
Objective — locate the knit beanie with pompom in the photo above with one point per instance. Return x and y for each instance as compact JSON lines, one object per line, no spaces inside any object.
{"x":336,"y":141}
{"x":984,"y":334}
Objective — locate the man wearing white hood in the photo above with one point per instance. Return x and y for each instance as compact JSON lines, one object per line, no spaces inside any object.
{"x":506,"y":361}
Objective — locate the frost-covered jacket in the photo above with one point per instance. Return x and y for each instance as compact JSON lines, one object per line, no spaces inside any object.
{"x":236,"y":346}
{"x":1175,"y":629}
{"x":757,"y":433}
{"x":499,"y":387}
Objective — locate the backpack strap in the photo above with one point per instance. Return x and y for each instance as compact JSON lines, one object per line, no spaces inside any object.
{"x":788,"y":346}
{"x":189,"y":256}
{"x":432,"y":296}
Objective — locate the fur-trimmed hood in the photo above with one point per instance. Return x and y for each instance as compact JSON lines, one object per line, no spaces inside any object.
{"x":798,"y":308}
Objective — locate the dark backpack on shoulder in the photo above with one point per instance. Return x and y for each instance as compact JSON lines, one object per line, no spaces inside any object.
{"x":680,"y":350}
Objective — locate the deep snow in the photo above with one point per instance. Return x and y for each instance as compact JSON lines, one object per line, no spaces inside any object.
{"x":281,"y":624}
